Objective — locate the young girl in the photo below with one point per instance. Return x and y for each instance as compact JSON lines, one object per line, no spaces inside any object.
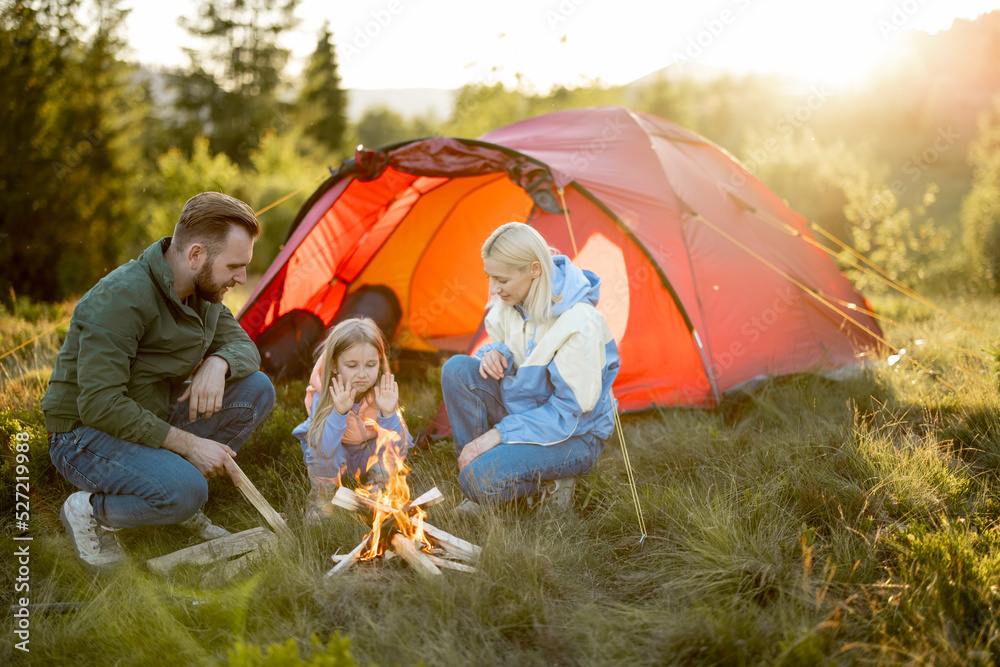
{"x":350,"y":387}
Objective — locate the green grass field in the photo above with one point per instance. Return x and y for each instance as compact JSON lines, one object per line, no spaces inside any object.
{"x":815,"y":522}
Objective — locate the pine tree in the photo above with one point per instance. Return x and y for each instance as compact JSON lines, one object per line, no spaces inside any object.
{"x":322,"y":107}
{"x":72,"y":141}
{"x":231,"y":92}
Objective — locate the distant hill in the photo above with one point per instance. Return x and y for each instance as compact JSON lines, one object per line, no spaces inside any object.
{"x":683,"y":70}
{"x":407,"y":102}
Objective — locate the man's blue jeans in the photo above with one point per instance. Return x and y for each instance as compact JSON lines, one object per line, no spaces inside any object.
{"x":507,"y":471}
{"x":135,"y":485}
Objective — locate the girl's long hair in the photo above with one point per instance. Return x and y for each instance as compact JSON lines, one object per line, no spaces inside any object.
{"x":342,"y":337}
{"x":517,"y":245}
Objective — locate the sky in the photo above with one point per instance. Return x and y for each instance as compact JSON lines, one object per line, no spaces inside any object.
{"x":449,"y":43}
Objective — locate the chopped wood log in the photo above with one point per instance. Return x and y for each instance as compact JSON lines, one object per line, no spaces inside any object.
{"x":222,"y":548}
{"x":427,"y":499}
{"x":350,"y":499}
{"x":408,"y":551}
{"x":346,"y":561}
{"x":257,"y":500}
{"x":223,"y":573}
{"x":425,"y":563}
{"x":444,"y":562}
{"x":453,"y":545}
{"x":349,"y":559}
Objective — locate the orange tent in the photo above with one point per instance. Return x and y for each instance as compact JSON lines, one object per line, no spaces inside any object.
{"x":708,"y":281}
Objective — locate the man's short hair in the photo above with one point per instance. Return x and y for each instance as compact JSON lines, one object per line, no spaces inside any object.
{"x":207,"y":218}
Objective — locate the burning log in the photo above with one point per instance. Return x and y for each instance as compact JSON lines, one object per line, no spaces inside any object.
{"x":398,"y":522}
{"x":444,"y":562}
{"x":356,"y":502}
{"x":408,"y":551}
{"x":458,"y":548}
{"x":392,"y":540}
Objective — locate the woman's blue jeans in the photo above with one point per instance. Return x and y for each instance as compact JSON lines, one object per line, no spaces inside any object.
{"x":134,"y":485}
{"x":507,"y":471}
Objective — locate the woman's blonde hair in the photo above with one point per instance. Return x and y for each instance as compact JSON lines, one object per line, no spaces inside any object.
{"x":517,"y":245}
{"x":341,"y":338}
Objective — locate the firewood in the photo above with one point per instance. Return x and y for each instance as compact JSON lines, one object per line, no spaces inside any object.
{"x":444,"y":562}
{"x":453,"y":545}
{"x":222,"y":573}
{"x":345,"y":561}
{"x":350,"y":499}
{"x":257,"y":500}
{"x":349,"y":559}
{"x":427,"y":499}
{"x":223,"y":548}
{"x":393,"y":543}
{"x":408,"y":551}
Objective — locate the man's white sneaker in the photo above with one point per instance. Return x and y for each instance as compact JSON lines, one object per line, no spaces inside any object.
{"x":203,"y":527}
{"x":96,"y":548}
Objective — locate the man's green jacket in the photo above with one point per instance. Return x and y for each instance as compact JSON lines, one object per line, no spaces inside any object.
{"x":131,"y":343}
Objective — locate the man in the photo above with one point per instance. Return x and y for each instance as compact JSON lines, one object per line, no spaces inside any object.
{"x":123,"y":424}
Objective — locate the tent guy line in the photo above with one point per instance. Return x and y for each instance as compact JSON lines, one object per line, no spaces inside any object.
{"x":630,"y":474}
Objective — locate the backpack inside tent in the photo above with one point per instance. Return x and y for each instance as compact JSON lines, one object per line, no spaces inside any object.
{"x":708,"y":280}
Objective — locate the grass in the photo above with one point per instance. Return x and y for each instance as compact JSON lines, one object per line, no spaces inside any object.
{"x":814,"y":522}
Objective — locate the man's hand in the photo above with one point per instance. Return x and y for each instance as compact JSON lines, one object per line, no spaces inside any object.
{"x":208,"y":385}
{"x":211,"y":458}
{"x":480,"y":445}
{"x":493,"y":365}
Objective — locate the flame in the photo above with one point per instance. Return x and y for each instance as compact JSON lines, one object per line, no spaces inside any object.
{"x":393,"y":495}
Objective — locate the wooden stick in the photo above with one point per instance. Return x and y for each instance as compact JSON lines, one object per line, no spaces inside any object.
{"x":257,"y":500}
{"x":444,"y":562}
{"x":408,"y":551}
{"x":222,"y":548}
{"x":453,"y":545}
{"x":350,"y":559}
{"x":352,"y":500}
{"x":349,"y":499}
{"x":225,"y":572}
{"x":427,"y":499}
{"x":346,"y":561}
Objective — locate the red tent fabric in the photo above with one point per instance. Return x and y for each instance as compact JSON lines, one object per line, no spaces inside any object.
{"x":708,"y":278}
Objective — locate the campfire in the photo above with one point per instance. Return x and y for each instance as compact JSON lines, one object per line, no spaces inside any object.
{"x":398,"y":525}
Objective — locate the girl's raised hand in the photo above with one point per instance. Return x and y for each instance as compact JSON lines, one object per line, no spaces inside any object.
{"x":387,"y":394}
{"x":342,"y":395}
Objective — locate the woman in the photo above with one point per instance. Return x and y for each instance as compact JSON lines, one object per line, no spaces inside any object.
{"x":534,"y":406}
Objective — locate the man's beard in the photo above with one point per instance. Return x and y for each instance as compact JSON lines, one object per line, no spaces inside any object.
{"x":205,"y":287}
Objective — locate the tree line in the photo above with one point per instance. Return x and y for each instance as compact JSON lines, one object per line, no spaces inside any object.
{"x":100,"y":153}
